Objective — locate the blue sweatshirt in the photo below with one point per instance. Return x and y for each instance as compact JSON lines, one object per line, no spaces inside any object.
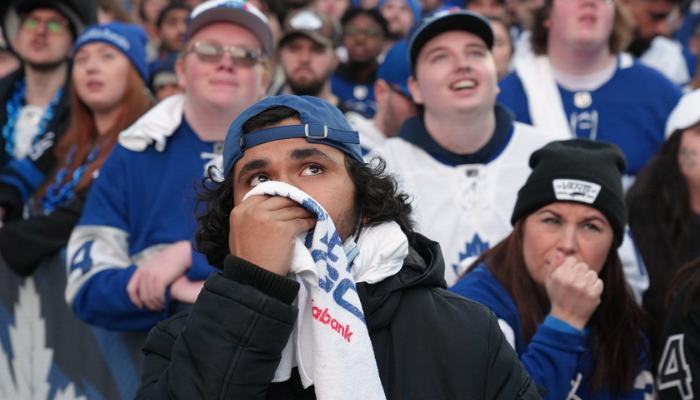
{"x":559,"y":357}
{"x":140,"y":202}
{"x":629,"y":110}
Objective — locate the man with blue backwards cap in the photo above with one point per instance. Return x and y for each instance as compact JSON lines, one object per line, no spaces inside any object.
{"x":464,"y":158}
{"x":394,"y":104}
{"x":130,"y":258}
{"x":34,"y":99}
{"x":425,"y":343}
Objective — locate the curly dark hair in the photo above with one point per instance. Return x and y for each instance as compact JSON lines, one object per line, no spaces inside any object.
{"x":377,"y":196}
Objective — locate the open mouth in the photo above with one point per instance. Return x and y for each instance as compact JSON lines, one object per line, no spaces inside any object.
{"x":463,"y":84}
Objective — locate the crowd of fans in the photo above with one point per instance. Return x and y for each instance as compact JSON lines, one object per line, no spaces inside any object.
{"x":551,"y":148}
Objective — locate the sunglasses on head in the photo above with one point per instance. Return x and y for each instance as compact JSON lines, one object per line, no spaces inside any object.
{"x":212,"y":53}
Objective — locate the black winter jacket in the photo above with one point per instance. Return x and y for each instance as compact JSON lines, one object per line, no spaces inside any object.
{"x":428,"y":343}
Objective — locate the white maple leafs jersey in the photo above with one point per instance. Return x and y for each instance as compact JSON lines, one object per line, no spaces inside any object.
{"x":466,"y":208}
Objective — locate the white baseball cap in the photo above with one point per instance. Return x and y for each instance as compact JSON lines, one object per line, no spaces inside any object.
{"x":686,"y":113}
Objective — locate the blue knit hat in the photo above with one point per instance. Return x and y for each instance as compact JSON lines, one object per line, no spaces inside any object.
{"x":415,"y":7}
{"x":128,"y":38}
{"x":321,"y":123}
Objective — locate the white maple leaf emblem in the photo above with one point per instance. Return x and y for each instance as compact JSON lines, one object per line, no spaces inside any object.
{"x":32,"y":359}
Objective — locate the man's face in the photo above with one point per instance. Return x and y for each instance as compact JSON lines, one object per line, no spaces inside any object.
{"x":455,"y":72}
{"x":44,"y":40}
{"x":308,"y":65}
{"x":316,"y":169}
{"x":488,"y":8}
{"x":651,"y":17}
{"x":581,"y":24}
{"x":222,"y":84}
{"x":167,"y":90}
{"x":399,"y":16}
{"x":363,"y":37}
{"x":172,"y":29}
{"x":397,"y":105}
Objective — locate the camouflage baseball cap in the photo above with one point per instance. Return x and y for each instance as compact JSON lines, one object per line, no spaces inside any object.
{"x":317,"y":26}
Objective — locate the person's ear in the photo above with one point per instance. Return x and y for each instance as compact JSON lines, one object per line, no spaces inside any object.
{"x":415,"y":90}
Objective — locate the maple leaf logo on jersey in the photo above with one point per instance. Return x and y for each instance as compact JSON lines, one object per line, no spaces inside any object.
{"x":472,"y":249}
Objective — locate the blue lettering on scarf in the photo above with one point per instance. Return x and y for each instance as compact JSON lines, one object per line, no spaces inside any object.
{"x":344,"y":286}
{"x":312,"y":206}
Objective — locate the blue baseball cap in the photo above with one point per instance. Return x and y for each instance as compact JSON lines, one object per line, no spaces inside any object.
{"x":395,"y":68}
{"x":445,"y":20}
{"x":130,"y":39}
{"x":235,"y":12}
{"x":321,"y":123}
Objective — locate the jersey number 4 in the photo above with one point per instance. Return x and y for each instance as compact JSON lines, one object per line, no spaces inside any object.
{"x":673,"y":368}
{"x":81,"y":258}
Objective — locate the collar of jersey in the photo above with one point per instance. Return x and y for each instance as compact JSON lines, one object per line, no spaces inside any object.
{"x":414,"y":132}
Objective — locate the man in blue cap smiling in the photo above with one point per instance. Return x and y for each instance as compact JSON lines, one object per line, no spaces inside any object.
{"x":464,"y":158}
{"x":261,"y":329}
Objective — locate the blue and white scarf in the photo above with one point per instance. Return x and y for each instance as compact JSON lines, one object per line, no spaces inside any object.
{"x":330,"y":343}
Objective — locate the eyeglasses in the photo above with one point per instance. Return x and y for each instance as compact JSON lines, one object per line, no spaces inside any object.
{"x":52,"y":25}
{"x":371,"y":31}
{"x":212,"y":53}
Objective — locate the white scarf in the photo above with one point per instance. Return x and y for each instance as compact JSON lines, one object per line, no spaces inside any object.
{"x":543,"y":97}
{"x":156,"y":126}
{"x":330,"y":342}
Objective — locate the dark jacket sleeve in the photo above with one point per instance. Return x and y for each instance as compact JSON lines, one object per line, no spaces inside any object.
{"x":229,"y":345}
{"x":25,"y":243}
{"x":507,"y":379}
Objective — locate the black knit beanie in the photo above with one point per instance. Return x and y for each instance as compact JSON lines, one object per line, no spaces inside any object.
{"x":580,"y":171}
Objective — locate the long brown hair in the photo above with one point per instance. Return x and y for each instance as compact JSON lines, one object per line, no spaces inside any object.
{"x":82,"y":132}
{"x":617,"y":326}
{"x":620,"y":38}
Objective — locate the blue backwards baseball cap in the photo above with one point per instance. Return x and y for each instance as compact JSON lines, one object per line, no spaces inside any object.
{"x":130,"y":39}
{"x":321,"y":123}
{"x":395,"y":68}
{"x":445,"y":20}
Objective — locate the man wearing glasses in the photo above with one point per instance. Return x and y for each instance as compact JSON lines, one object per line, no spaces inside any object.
{"x":364,"y":33}
{"x":34,"y":100}
{"x":131,"y":262}
{"x":394,"y":103}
